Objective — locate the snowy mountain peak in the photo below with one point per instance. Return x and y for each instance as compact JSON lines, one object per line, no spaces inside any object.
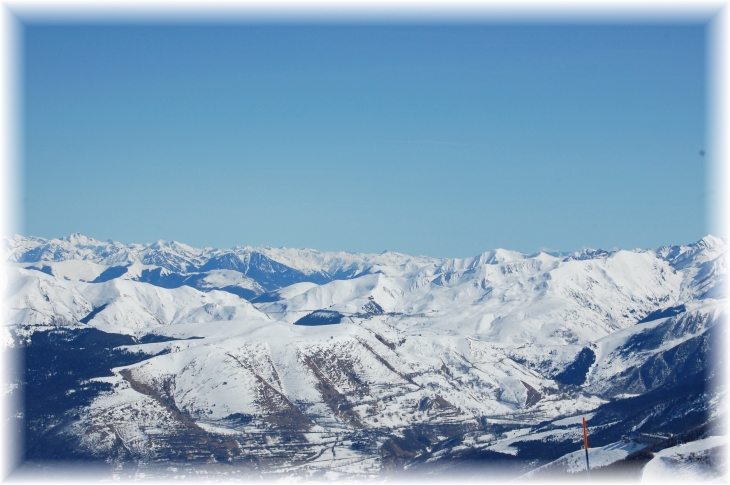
{"x":500,"y":255}
{"x":79,"y":239}
{"x":710,"y":241}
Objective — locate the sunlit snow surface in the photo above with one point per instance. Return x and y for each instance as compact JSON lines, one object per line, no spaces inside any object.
{"x":469,"y":347}
{"x":700,"y":461}
{"x":598,"y":457}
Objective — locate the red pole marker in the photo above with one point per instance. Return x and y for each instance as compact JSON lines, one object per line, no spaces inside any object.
{"x":585,"y":443}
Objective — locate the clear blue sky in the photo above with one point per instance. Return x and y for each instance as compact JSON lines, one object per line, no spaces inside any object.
{"x":442,"y":140}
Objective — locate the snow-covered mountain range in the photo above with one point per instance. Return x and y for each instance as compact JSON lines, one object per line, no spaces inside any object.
{"x":315,"y":364}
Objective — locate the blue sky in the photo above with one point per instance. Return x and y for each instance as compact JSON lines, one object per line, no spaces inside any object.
{"x":446,"y":140}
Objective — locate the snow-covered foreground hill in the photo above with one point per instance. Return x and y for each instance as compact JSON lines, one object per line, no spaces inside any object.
{"x":698,"y":461}
{"x":168,"y":360}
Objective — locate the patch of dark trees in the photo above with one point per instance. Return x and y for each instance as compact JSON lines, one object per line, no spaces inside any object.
{"x":57,"y":366}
